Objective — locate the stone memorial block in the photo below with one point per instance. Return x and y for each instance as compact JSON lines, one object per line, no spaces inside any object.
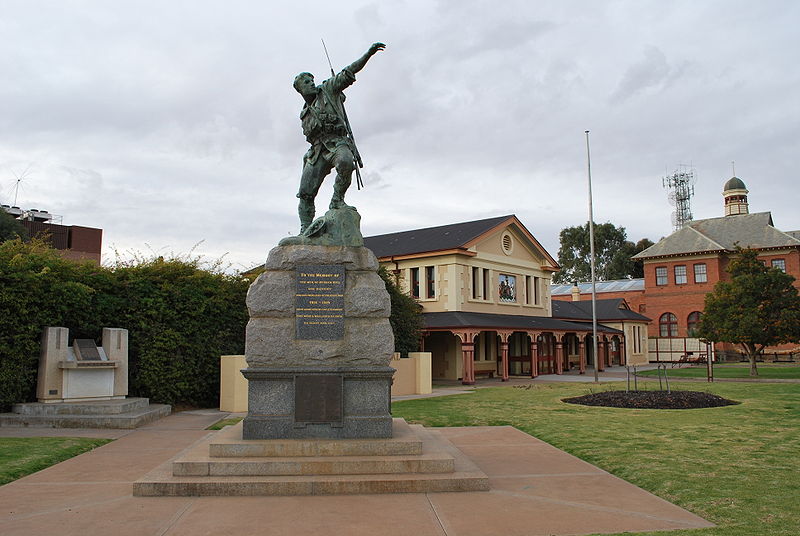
{"x":318,"y":313}
{"x":82,"y":371}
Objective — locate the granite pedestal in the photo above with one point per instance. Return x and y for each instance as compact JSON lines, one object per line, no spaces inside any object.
{"x":318,"y":346}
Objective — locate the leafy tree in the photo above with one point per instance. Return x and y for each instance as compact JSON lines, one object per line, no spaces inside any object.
{"x":758,"y":307}
{"x":613,"y":254}
{"x":406,"y":318}
{"x":10,"y":227}
{"x":638,"y":265}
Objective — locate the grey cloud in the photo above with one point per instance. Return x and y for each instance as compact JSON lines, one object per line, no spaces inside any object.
{"x":653,"y":71}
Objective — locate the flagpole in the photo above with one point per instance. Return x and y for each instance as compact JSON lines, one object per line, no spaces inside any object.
{"x":591,"y":263}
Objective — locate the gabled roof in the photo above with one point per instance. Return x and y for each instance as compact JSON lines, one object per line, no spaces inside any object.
{"x":613,"y":309}
{"x":455,"y":236}
{"x":722,"y":235}
{"x":617,"y":285}
{"x":461,"y":319}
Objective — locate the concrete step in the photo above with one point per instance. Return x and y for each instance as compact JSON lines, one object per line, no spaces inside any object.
{"x":228,"y":443}
{"x":93,"y":407}
{"x":163,"y":484}
{"x":128,"y":420}
{"x":333,"y":465}
{"x":464,"y":475}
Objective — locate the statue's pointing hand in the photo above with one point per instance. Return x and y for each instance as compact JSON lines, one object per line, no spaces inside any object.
{"x":375,"y":48}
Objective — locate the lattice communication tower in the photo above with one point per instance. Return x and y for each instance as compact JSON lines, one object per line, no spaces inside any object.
{"x":681,"y":185}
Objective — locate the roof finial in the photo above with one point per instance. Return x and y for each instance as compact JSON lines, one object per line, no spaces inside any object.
{"x":733,"y":167}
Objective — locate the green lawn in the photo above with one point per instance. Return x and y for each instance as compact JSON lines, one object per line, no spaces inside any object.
{"x":222,"y":423}
{"x":20,"y":456}
{"x":736,"y":466}
{"x":727,"y":371}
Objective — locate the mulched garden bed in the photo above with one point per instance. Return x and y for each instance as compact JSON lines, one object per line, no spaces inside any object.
{"x":651,"y":400}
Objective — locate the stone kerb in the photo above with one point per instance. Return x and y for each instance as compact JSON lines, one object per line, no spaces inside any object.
{"x":271,"y":342}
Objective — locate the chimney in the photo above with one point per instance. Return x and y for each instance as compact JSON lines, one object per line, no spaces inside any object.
{"x":576,"y":292}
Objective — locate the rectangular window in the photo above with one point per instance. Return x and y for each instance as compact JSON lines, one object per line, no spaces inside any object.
{"x":780,"y":264}
{"x":661,"y":275}
{"x":700,"y":275}
{"x":430,"y":282}
{"x":536,"y":298}
{"x":415,"y":282}
{"x":528,"y":289}
{"x":680,"y":275}
{"x":485,"y":284}
{"x":476,"y":282}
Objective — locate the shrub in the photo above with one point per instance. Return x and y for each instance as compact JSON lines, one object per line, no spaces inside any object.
{"x":180,"y":317}
{"x":406,"y":318}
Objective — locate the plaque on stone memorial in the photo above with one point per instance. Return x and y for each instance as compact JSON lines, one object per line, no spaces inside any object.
{"x":86,"y":350}
{"x":318,"y":398}
{"x":319,"y":302}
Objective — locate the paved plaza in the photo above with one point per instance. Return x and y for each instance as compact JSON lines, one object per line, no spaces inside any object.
{"x":536,"y":489}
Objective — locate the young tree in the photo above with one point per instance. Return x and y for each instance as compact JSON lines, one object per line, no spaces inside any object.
{"x":10,"y":228}
{"x":406,"y":318}
{"x":613,"y":254}
{"x":758,"y":307}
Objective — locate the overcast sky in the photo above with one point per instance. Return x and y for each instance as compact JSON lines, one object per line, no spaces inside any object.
{"x":171,"y":123}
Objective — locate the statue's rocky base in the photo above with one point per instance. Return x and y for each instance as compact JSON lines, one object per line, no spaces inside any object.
{"x":280,"y":401}
{"x":310,"y":381}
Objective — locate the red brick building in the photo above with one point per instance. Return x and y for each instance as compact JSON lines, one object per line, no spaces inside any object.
{"x":683,"y":267}
{"x":73,"y":242}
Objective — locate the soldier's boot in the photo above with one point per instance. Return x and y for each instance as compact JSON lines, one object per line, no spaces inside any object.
{"x":339,"y":189}
{"x":306,"y":212}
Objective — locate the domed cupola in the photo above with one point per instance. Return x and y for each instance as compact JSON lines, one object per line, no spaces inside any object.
{"x":735,"y":194}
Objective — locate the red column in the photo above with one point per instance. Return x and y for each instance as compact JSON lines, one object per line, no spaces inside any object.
{"x":559,"y":357}
{"x":468,"y":375}
{"x":504,"y":363}
{"x":534,"y":356}
{"x":600,"y":359}
{"x":582,"y":352}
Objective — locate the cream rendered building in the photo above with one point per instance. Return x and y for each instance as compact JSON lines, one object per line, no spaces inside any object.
{"x":485,"y":291}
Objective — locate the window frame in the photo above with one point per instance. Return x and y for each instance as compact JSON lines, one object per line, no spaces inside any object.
{"x":430,"y":282}
{"x":778,"y":264}
{"x":668,"y":323}
{"x":692,"y":320}
{"x":414,"y":283}
{"x":684,"y":277}
{"x":704,"y":273}
{"x":662,"y":279}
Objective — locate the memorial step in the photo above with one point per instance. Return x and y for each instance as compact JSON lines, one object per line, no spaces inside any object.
{"x":461,"y":474}
{"x":127,"y":420}
{"x":335,"y":465}
{"x":90,"y":407}
{"x":228,"y":443}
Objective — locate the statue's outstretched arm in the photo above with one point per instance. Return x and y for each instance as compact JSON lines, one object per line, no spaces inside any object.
{"x":360,"y":62}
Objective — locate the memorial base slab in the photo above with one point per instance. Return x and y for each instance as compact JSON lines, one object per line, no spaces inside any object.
{"x":413,"y":460}
{"x":317,"y":402}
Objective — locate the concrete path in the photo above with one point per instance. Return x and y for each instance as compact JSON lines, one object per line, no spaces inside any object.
{"x":536,"y":490}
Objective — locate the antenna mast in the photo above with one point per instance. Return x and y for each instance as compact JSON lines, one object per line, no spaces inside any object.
{"x":681,"y":185}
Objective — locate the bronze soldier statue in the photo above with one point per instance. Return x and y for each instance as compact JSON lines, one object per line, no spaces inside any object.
{"x":326,"y":128}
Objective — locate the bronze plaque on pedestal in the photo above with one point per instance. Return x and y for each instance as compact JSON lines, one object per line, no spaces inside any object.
{"x":318,"y":398}
{"x":86,"y":350}
{"x":319,"y":302}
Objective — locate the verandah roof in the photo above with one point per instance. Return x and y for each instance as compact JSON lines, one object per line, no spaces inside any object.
{"x":488,"y":321}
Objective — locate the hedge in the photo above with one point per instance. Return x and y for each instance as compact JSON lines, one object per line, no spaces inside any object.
{"x":180,"y":317}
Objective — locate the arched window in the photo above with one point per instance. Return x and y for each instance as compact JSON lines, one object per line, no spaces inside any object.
{"x":668,"y":325}
{"x":692,"y":321}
